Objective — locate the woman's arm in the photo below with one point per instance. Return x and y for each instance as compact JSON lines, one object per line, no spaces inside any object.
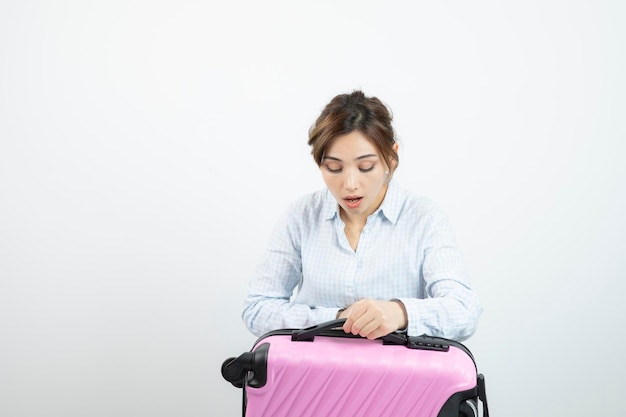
{"x":451,"y":311}
{"x":267,"y":306}
{"x":450,"y":307}
{"x":447,"y":305}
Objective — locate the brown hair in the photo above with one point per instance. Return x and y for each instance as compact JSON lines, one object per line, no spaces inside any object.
{"x":348,"y":112}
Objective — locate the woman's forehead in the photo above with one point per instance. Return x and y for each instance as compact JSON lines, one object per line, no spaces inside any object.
{"x":351,"y":146}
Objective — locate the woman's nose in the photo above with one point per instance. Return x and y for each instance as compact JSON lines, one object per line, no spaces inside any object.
{"x":351,"y":181}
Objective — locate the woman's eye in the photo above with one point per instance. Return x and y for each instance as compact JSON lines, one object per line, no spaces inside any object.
{"x":366,"y":169}
{"x":333,"y":168}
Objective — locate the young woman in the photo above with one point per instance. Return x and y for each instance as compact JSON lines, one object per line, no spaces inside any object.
{"x":362,"y":249}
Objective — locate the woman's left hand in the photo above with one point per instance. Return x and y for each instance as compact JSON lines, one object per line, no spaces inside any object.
{"x":374,"y":318}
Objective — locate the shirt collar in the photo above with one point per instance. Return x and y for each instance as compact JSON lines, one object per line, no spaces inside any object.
{"x":390,"y":207}
{"x":331,"y":208}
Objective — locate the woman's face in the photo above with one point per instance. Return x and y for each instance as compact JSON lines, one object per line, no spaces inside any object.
{"x":355,"y":174}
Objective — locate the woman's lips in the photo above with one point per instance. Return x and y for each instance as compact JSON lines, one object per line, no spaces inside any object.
{"x":353,"y":202}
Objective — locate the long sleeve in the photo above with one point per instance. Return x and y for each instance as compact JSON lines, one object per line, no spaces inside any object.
{"x":451,"y":311}
{"x":450,"y":307}
{"x":267,"y":306}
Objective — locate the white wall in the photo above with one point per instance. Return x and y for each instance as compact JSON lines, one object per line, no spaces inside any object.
{"x":147,"y":147}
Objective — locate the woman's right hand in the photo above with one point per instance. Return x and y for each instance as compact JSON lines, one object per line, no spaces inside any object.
{"x":374,"y":318}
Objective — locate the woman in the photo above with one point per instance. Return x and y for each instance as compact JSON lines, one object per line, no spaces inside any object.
{"x":362,"y":249}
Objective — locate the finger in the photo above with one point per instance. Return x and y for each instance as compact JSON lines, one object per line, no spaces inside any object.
{"x":376,"y":333}
{"x":347,"y":314}
{"x":353,"y":313}
{"x":371,"y":328}
{"x":364,"y":324}
{"x":360,"y":314}
{"x":376,"y":329}
{"x":349,"y":326}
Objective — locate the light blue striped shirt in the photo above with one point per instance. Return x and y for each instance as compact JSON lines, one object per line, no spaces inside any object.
{"x":407,"y":251}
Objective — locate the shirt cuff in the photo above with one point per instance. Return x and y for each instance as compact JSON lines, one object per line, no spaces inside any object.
{"x":415,"y":316}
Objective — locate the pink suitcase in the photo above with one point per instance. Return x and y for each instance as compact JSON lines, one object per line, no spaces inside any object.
{"x":321,"y":372}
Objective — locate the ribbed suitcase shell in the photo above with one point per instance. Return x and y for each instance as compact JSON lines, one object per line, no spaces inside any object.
{"x":354,"y":377}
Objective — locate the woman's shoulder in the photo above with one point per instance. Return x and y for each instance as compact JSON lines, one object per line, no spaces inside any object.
{"x":311,"y":205}
{"x":315,"y":198}
{"x":417,"y":205}
{"x":413,"y":200}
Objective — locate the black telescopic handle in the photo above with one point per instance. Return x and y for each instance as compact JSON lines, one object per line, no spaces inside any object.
{"x":308,"y":334}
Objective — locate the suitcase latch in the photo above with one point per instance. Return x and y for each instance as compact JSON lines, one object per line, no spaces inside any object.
{"x":427,"y":343}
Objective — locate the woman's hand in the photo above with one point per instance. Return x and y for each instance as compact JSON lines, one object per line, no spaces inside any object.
{"x":374,"y":318}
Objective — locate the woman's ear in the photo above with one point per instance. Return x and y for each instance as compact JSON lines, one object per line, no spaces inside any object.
{"x":394,"y":163}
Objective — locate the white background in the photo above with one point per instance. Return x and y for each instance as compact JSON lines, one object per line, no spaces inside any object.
{"x":147,"y":147}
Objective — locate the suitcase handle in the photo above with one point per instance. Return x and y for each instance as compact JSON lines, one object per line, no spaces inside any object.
{"x":308,"y":334}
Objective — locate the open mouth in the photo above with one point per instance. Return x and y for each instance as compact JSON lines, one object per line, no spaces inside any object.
{"x":353,"y":202}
